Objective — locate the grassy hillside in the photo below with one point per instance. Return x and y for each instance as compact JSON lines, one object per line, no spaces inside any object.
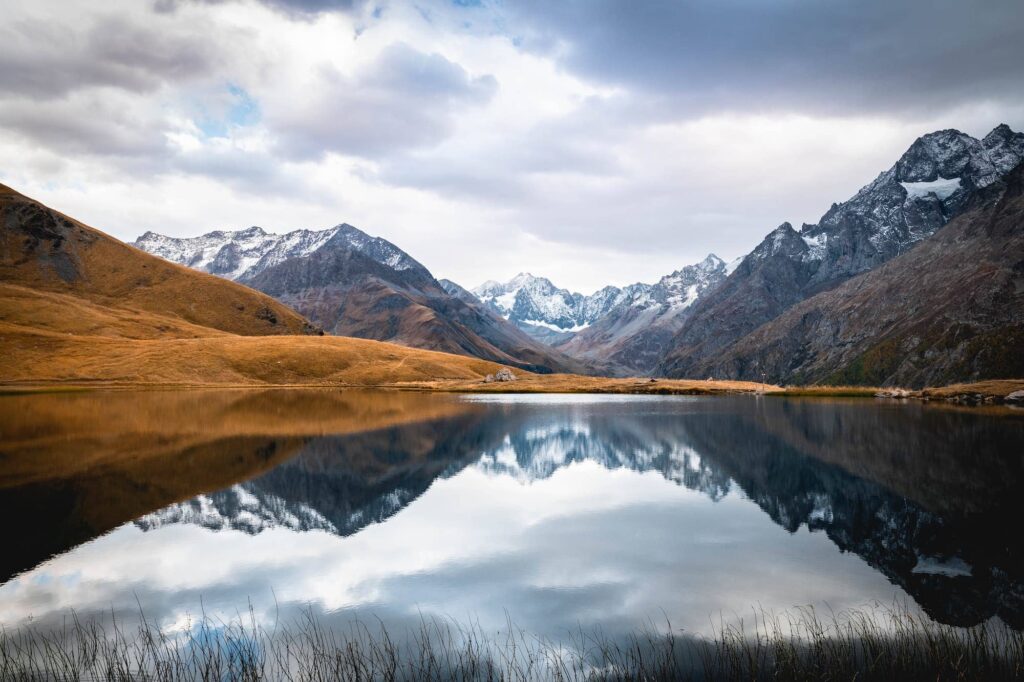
{"x":77,"y":306}
{"x":46,"y":251}
{"x":33,"y":356}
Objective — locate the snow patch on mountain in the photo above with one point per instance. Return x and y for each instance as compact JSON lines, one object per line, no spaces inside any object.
{"x":684,"y":300}
{"x":942,"y":188}
{"x":948,"y":164}
{"x":816,"y":246}
{"x":555,"y":328}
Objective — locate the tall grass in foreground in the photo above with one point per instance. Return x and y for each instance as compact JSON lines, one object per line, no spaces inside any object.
{"x":876,"y":644}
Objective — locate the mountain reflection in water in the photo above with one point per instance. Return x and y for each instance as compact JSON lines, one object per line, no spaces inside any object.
{"x":925,"y":496}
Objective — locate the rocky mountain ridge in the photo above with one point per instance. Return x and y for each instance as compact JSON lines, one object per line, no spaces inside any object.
{"x":932,"y":182}
{"x":532,"y":302}
{"x":621,"y":330}
{"x":949,"y":310}
{"x":634,"y":334}
{"x":699,"y":321}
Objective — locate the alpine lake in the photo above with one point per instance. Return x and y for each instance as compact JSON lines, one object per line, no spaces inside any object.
{"x":549,"y":514}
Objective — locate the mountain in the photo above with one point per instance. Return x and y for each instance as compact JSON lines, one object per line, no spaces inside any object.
{"x":632,"y":336}
{"x":949,"y":310}
{"x":458,"y":291}
{"x":935,"y":180}
{"x":541,"y":309}
{"x":622,"y":331}
{"x":78,"y":306}
{"x":356,"y":285}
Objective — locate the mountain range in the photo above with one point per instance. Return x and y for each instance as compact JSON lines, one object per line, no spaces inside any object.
{"x":822,"y":303}
{"x":620,"y":330}
{"x":916,"y":280}
{"x":950,"y":309}
{"x":352,"y":284}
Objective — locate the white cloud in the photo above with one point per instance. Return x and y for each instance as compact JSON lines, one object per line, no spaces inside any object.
{"x":427,"y":124}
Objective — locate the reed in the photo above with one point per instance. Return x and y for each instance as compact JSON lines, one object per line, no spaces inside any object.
{"x":879,"y":643}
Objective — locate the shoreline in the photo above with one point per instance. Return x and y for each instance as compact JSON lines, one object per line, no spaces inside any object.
{"x":992,"y":392}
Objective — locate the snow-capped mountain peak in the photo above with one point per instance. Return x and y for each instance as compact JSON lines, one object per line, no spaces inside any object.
{"x":934,"y":180}
{"x":242,"y":254}
{"x":683,"y":287}
{"x":929,"y":183}
{"x":635,"y":320}
{"x":526,"y":299}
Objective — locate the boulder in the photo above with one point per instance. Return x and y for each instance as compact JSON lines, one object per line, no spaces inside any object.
{"x":504,"y":374}
{"x":1015,"y":398}
{"x":896,"y":393}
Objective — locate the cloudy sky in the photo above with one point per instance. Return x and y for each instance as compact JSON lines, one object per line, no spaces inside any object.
{"x":591,"y":141}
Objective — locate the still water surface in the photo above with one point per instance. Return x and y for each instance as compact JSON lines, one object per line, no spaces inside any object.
{"x":552,"y":512}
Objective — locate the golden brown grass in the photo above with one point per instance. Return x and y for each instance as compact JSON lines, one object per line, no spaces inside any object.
{"x":47,"y":436}
{"x":829,"y":391}
{"x":993,"y":387}
{"x":41,"y":358}
{"x":50,"y":311}
{"x":50,"y":339}
{"x":124,"y":317}
{"x":997,"y":388}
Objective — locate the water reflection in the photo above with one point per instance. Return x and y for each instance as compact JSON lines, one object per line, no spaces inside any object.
{"x":565,"y":511}
{"x":74,"y":466}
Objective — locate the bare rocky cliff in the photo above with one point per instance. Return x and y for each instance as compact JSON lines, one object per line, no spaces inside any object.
{"x":949,"y":310}
{"x":935,"y":180}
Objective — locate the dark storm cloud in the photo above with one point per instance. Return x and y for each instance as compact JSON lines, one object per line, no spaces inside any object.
{"x":45,"y":60}
{"x":809,"y":55}
{"x":405,"y":99}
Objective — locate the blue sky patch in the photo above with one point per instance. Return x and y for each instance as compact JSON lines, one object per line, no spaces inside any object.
{"x":240,"y":110}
